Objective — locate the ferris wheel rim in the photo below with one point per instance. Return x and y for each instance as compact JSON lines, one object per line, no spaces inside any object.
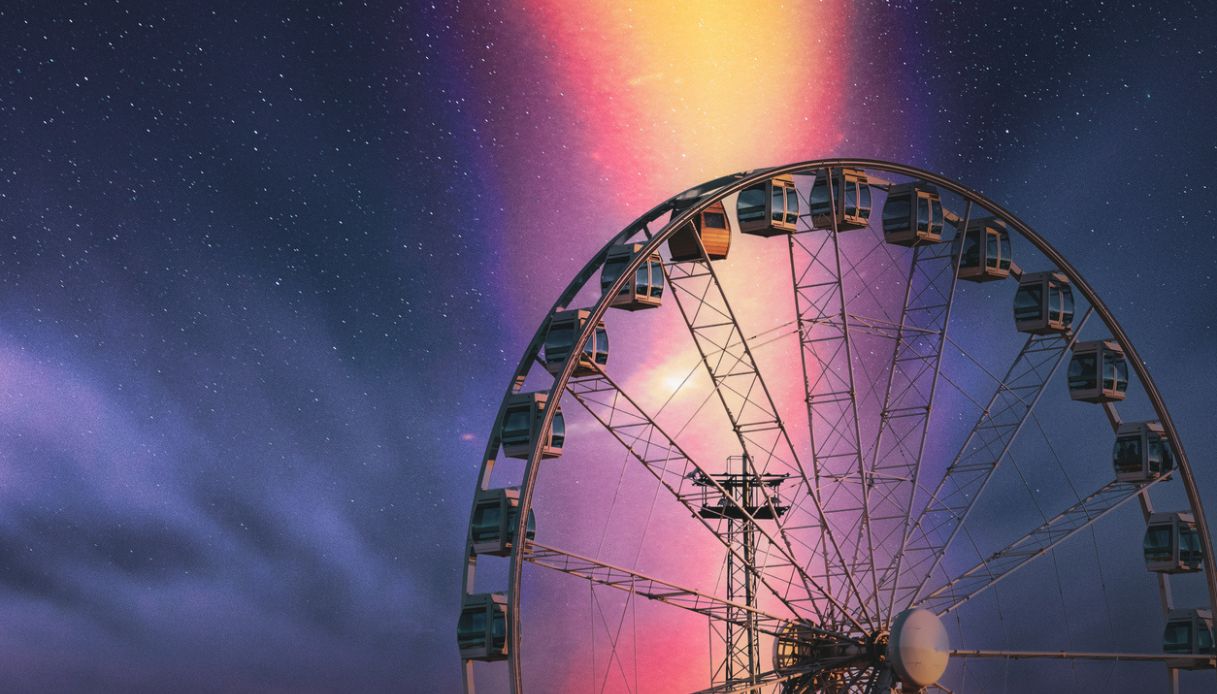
{"x":705,"y":195}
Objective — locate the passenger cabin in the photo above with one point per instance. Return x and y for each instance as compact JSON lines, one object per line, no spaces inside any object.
{"x":769,"y":208}
{"x":481,"y":631}
{"x":846,"y":206}
{"x":986,"y":252}
{"x":1189,"y":632}
{"x":495,"y":514}
{"x":912,"y":214}
{"x":1098,"y":372}
{"x":522,"y":424}
{"x":644,"y":289}
{"x":564,"y":329}
{"x":1043,"y":303}
{"x":1172,"y":544}
{"x":711,"y":226}
{"x":1142,"y":453}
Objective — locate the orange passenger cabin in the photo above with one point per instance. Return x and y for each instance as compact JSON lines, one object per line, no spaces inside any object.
{"x":711,"y":226}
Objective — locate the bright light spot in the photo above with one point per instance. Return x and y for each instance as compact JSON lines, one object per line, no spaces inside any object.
{"x":673,"y":381}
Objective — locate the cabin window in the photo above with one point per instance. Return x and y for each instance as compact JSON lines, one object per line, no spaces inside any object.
{"x":559,"y":340}
{"x":1178,"y":637}
{"x":1117,"y":374}
{"x":612,"y":270}
{"x":1189,"y":546}
{"x":602,"y":346}
{"x":819,"y":198}
{"x":1028,"y":301}
{"x":498,"y":631}
{"x":896,"y":212}
{"x":517,"y":426}
{"x":1083,"y":372}
{"x":792,"y":205}
{"x":1158,"y":543}
{"x":642,"y":279}
{"x":471,"y":630}
{"x":857,"y":199}
{"x":714,"y":220}
{"x":777,"y":203}
{"x":1128,"y":454}
{"x":656,"y":283}
{"x":971,"y":251}
{"x":557,"y":429}
{"x":486,"y":523}
{"x":1159,"y":455}
{"x":1066,"y":305}
{"x":751,"y":205}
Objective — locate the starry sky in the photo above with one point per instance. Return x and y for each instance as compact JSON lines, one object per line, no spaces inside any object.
{"x":265,"y":270}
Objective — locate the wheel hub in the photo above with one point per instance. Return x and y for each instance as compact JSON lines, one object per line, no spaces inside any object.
{"x":916,"y":650}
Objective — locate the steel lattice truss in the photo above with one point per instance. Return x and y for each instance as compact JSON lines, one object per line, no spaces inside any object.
{"x":908,"y":402}
{"x":635,"y":583}
{"x":765,"y":445}
{"x":979,"y":458}
{"x":685,"y":481}
{"x":832,"y":410}
{"x":754,"y":419}
{"x":1034,"y":544}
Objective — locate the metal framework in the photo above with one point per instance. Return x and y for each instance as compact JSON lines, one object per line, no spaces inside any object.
{"x":1013,"y":400}
{"x":832,"y":408}
{"x":861,"y":535}
{"x":687,"y":482}
{"x":727,"y":611}
{"x":764,"y":441}
{"x":1033,"y":545}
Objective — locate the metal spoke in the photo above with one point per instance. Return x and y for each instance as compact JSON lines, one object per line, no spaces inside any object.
{"x":651,"y":588}
{"x":1033,"y":545}
{"x":745,"y":398}
{"x":688,"y":482}
{"x":1168,"y":658}
{"x":831,"y":395}
{"x":908,"y":403}
{"x":979,"y":457}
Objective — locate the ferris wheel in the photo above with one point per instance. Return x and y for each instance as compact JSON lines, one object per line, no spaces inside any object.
{"x":913,"y":452}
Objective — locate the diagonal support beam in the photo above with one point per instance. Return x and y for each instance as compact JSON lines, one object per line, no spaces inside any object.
{"x":634,"y":582}
{"x":1171,"y":659}
{"x":691,"y":485}
{"x":1033,"y":545}
{"x":981,"y":454}
{"x":830,"y":393}
{"x":748,"y":404}
{"x":908,"y":401}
